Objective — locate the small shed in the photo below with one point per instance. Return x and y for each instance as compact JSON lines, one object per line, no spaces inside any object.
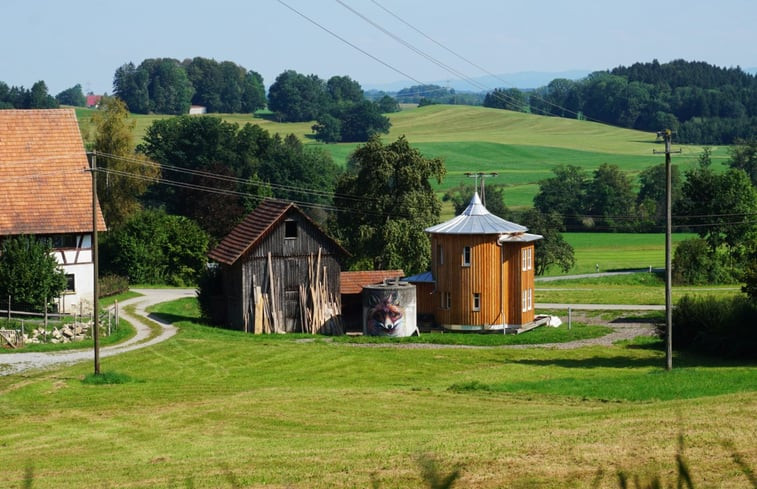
{"x":483,"y":266}
{"x":280,"y":272}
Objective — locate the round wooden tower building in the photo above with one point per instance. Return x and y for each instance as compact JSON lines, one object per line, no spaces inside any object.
{"x":483,"y":267}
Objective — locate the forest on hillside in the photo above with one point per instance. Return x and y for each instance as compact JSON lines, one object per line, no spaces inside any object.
{"x":702,"y":103}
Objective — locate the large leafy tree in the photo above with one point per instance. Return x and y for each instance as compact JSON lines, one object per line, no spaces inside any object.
{"x":744,"y":157}
{"x":295,"y":97}
{"x":344,"y":90}
{"x":198,"y":148}
{"x":387,"y":201}
{"x":29,"y":273}
{"x":72,"y":96}
{"x":565,"y":194}
{"x":353,"y":122}
{"x":157,"y":85}
{"x":720,"y":207}
{"x":39,"y":98}
{"x":509,"y":99}
{"x":610,"y":198}
{"x":127,"y":173}
{"x":225,"y":87}
{"x":552,"y":249}
{"x":297,"y":172}
{"x":130,"y":85}
{"x":652,"y":193}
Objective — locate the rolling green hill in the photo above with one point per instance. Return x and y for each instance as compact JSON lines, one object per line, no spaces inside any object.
{"x":521,"y":148}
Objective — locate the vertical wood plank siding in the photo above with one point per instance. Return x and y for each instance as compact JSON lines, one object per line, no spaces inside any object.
{"x":495,"y":273}
{"x":289,"y":260}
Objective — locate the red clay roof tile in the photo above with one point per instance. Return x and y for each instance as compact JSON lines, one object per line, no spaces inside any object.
{"x":45,"y":185}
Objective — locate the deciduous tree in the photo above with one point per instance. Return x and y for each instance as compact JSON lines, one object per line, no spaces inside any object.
{"x":387,"y":202}
{"x":29,"y":272}
{"x":127,"y":174}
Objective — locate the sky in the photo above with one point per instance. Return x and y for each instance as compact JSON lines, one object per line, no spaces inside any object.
{"x":375,"y":42}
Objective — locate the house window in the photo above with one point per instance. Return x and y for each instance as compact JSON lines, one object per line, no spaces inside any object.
{"x":466,"y":256}
{"x":528,"y":300}
{"x":527,"y":261}
{"x":70,"y":282}
{"x":446,"y":299}
{"x":476,"y":301}
{"x":440,"y":254}
{"x":290,"y":229}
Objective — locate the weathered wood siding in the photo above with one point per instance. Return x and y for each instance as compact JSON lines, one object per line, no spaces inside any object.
{"x":289,"y":264}
{"x":495,"y":273}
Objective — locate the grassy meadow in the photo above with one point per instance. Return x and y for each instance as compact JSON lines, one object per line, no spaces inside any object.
{"x":216,"y":408}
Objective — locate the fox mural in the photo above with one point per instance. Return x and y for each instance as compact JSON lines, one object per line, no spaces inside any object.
{"x":386,"y":317}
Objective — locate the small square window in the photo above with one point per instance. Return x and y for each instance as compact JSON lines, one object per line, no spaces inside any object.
{"x":290,"y":229}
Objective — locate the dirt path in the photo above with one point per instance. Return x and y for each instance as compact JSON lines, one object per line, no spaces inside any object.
{"x":13,"y":363}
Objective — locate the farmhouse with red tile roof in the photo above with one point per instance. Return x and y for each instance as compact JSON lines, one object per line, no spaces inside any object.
{"x":46,"y":190}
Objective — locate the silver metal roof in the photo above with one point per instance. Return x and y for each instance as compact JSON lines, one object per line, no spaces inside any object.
{"x":476,"y":219}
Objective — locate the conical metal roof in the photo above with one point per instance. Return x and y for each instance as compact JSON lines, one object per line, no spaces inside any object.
{"x":476,"y":219}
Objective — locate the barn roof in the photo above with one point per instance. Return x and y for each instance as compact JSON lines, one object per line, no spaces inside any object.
{"x":253,"y":228}
{"x":45,"y":185}
{"x":352,"y":282}
{"x":476,"y":219}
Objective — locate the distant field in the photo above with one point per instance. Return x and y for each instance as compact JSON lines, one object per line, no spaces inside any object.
{"x":521,"y":148}
{"x":619,"y":251}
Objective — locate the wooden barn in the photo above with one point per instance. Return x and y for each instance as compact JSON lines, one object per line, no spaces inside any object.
{"x":280,"y":273}
{"x":483,"y":267}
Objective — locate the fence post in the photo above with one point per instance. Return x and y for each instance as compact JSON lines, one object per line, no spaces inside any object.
{"x":9,"y":308}
{"x":46,"y":302}
{"x":570,"y":318}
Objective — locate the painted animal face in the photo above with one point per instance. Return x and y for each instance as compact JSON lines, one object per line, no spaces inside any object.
{"x":385,"y":318}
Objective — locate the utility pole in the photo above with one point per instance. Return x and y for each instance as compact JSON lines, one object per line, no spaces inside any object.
{"x":667,"y":136}
{"x":95,"y":266}
{"x":482,"y":176}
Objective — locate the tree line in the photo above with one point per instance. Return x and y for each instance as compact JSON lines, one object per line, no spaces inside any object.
{"x":702,"y":103}
{"x":169,"y":86}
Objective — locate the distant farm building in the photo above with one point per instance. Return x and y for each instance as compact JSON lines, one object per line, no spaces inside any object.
{"x":93,"y":101}
{"x":280,"y":273}
{"x":46,"y":191}
{"x":483,"y":267}
{"x":198,"y":110}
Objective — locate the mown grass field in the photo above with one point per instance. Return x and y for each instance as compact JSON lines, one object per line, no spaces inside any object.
{"x":521,"y":148}
{"x":215,"y":408}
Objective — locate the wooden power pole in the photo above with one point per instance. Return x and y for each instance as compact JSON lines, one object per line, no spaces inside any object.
{"x":667,"y":136}
{"x":96,"y":292}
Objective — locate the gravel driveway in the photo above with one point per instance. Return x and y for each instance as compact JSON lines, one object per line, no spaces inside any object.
{"x":12,"y":363}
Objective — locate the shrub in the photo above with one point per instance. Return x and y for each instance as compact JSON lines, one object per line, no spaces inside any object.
{"x":694,"y":263}
{"x":153,"y":247}
{"x":113,"y":284}
{"x":210,"y":295}
{"x":719,"y":326}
